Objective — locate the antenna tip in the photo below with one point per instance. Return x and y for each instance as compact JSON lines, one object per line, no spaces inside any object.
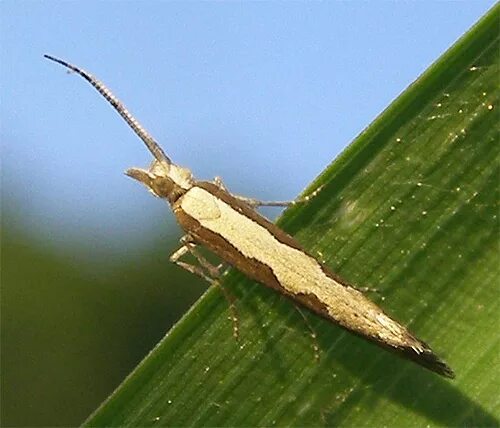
{"x":53,"y":58}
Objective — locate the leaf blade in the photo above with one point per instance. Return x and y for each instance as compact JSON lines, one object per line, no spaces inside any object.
{"x":408,"y":208}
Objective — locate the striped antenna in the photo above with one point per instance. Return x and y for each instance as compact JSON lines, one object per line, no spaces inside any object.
{"x":144,"y":135}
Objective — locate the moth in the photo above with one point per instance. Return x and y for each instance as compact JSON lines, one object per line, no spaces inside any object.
{"x":230,"y":227}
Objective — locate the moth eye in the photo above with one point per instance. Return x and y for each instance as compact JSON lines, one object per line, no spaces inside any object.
{"x":162,"y":186}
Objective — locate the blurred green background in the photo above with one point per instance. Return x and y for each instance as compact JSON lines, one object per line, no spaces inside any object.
{"x":72,"y":332}
{"x":246,"y":91}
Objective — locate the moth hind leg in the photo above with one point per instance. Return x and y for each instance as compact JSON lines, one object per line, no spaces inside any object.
{"x":314,"y":336}
{"x":206,"y":270}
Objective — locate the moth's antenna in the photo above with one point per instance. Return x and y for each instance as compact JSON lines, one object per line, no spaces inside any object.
{"x":144,"y":135}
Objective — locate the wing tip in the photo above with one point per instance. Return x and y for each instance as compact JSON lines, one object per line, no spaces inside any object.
{"x":420,"y":353}
{"x":432,"y":362}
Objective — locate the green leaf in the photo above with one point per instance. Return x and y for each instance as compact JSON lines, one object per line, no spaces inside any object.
{"x":411,"y":208}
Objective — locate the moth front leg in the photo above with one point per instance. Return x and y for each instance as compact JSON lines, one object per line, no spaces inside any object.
{"x":206,"y":270}
{"x":196,"y":270}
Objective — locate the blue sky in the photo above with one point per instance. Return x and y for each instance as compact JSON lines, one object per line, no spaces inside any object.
{"x":264,"y":94}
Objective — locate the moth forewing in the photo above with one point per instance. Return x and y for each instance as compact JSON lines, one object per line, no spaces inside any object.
{"x":265,"y":253}
{"x":231,"y":228}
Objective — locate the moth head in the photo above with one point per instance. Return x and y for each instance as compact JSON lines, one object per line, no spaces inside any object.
{"x":164,"y":180}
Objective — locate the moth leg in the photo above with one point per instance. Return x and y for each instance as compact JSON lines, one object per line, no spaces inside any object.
{"x":314,"y":336}
{"x":196,"y":270}
{"x":207,"y":271}
{"x":213,"y":271}
{"x":250,"y":201}
{"x":218,"y":182}
{"x":299,"y":200}
{"x":255,"y":203}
